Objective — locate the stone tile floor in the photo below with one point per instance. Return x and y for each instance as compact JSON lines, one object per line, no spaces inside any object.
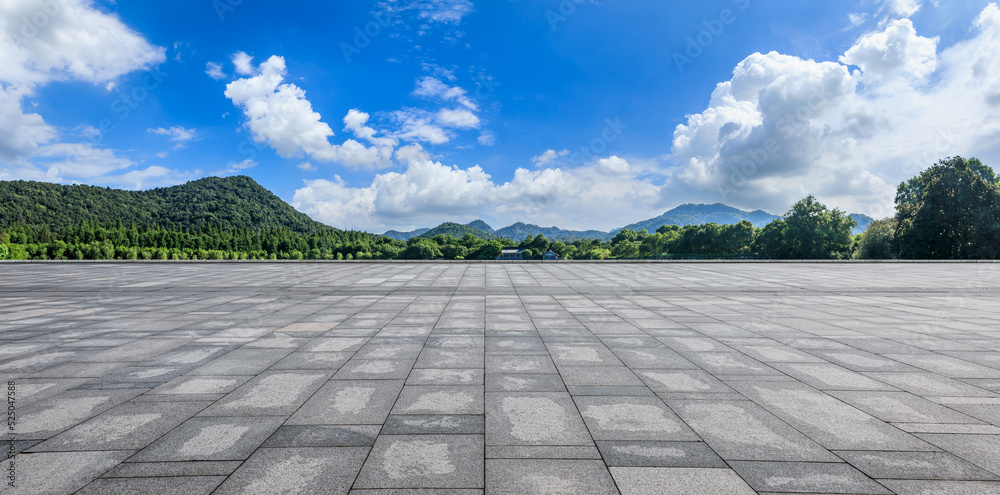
{"x":454,"y":378}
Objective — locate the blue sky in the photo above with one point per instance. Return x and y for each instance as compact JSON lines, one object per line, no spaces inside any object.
{"x":576,"y":113}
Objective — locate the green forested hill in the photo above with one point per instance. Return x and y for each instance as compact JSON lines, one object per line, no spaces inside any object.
{"x":458,"y":231}
{"x":226,"y":203}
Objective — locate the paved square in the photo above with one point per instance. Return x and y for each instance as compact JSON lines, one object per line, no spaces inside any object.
{"x":578,"y":378}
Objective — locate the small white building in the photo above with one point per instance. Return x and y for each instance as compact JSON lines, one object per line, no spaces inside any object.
{"x":551,"y":256}
{"x":511,"y":254}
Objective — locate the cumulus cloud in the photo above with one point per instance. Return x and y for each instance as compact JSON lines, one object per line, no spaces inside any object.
{"x":279,"y":115}
{"x":66,"y":40}
{"x":895,"y":52}
{"x":457,"y":118}
{"x":548,"y":157}
{"x":20,"y":133}
{"x":428,"y":192}
{"x":417,"y":125}
{"x":177,"y":134}
{"x":243,"y":63}
{"x":356,"y":122}
{"x":784,"y":127}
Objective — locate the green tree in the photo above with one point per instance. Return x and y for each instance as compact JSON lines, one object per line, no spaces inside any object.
{"x":421,"y":249}
{"x":491,"y":250}
{"x":879,"y":242}
{"x":625,"y":235}
{"x":949,"y":211}
{"x":808,"y":231}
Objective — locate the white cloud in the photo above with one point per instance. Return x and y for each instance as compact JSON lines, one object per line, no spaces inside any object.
{"x":417,"y":125}
{"x":83,"y":161}
{"x":177,"y":134}
{"x":433,"y":88}
{"x":279,"y":115}
{"x":904,"y":8}
{"x":614,"y":165}
{"x":437,"y":11}
{"x":307,"y":167}
{"x":214,"y":71}
{"x":243,"y":63}
{"x":428,"y":192}
{"x":68,"y":40}
{"x":458,"y":118}
{"x":857,"y":19}
{"x":447,"y":11}
{"x":154,"y":176}
{"x":548,"y":157}
{"x":236,"y":168}
{"x":20,"y":133}
{"x":895,"y":52}
{"x":487,"y":138}
{"x":784,"y":127}
{"x":356,"y":120}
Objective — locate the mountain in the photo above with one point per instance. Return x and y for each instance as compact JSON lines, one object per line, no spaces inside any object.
{"x":688,"y":214}
{"x":863,"y":222}
{"x":480,"y":225}
{"x":691,"y":214}
{"x":519,"y":231}
{"x":458,"y":230}
{"x":227,"y":203}
{"x":404,"y":236}
{"x":477,"y":228}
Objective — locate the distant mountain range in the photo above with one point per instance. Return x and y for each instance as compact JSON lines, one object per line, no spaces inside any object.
{"x":688,"y":214}
{"x":241,"y":203}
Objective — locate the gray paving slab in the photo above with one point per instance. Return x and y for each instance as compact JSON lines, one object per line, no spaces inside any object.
{"x":425,"y":399}
{"x":424,"y":461}
{"x":349,"y":402}
{"x":297,"y":470}
{"x":173,"y":485}
{"x":632,"y":418}
{"x":378,"y":378}
{"x":806,"y":477}
{"x":745,"y":431}
{"x":832,"y":423}
{"x":211,"y":439}
{"x":679,"y":481}
{"x":520,"y":476}
{"x":534,"y":418}
{"x":633,"y":453}
{"x":130,"y":426}
{"x":62,"y":472}
{"x":916,"y":466}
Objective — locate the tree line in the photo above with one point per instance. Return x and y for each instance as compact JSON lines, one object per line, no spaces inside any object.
{"x":950,"y":211}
